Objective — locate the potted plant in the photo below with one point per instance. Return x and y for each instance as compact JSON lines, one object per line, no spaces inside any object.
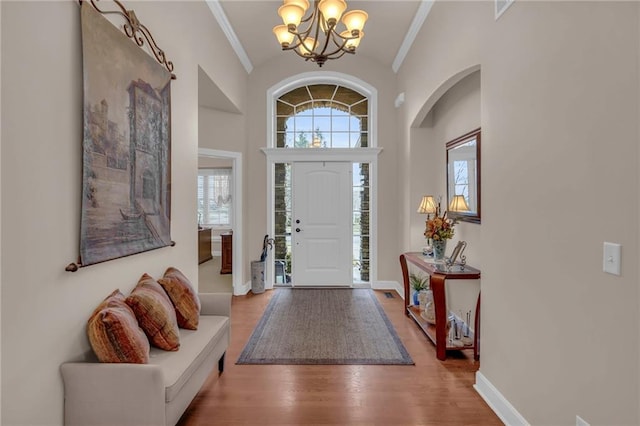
{"x":418,"y":283}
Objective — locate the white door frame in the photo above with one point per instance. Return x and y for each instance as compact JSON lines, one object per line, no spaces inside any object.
{"x":236,"y":257}
{"x":355,"y":155}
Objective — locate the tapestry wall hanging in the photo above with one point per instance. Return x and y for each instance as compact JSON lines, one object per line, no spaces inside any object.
{"x":126,"y":173}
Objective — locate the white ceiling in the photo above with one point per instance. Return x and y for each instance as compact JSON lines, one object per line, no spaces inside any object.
{"x":390,"y":23}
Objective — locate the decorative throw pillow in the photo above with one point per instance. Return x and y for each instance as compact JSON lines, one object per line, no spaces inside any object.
{"x":114,"y":333}
{"x":155,"y":313}
{"x":184,"y":298}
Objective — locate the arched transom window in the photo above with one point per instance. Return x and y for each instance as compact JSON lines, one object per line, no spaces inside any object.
{"x":322,"y":116}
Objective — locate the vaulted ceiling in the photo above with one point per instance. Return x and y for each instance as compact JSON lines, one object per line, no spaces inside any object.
{"x":389,"y":31}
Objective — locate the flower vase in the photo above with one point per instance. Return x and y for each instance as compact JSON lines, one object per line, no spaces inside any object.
{"x":439,"y":247}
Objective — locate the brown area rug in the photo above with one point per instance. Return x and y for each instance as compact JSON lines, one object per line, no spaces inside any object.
{"x":324,"y":326}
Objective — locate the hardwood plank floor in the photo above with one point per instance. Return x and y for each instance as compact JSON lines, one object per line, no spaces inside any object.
{"x":430,"y":393}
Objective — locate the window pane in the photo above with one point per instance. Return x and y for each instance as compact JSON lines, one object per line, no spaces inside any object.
{"x":340,"y":140}
{"x":214,"y":197}
{"x":320,"y":111}
{"x":323,"y":124}
{"x":364,"y":140}
{"x":300,"y":139}
{"x":281,"y":123}
{"x":283,"y":108}
{"x":303,"y":124}
{"x":342,"y":123}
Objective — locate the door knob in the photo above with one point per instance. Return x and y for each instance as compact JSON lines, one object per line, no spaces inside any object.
{"x":297,"y":229}
{"x":297,"y":220}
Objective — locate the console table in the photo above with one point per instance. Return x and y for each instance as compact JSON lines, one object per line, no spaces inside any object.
{"x":439,"y":273}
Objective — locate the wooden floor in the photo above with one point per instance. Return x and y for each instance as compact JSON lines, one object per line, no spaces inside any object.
{"x":430,"y":393}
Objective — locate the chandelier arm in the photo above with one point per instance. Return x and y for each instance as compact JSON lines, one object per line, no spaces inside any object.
{"x":339,"y":41}
{"x":300,"y":37}
{"x":340,"y":47}
{"x":327,"y":34}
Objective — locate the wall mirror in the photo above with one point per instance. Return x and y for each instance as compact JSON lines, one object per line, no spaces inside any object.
{"x":463,"y":177}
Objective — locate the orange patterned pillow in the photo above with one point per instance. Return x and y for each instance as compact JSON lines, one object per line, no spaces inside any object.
{"x":184,"y":298}
{"x":155,"y":314}
{"x":114,"y":333}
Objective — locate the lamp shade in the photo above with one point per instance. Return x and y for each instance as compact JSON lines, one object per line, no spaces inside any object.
{"x":283,"y":35}
{"x":332,"y":10}
{"x":291,"y":14}
{"x":458,"y":204}
{"x":307,"y":46}
{"x":427,"y":205}
{"x":304,"y":4}
{"x":354,"y":42}
{"x":354,"y":20}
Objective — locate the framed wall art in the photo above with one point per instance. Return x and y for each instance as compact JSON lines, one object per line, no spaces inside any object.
{"x":126,"y":170}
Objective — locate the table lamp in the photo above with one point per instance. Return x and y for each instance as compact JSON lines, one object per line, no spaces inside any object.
{"x":427,"y":206}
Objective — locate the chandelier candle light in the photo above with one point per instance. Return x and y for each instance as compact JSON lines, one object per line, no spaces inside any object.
{"x":317,"y":38}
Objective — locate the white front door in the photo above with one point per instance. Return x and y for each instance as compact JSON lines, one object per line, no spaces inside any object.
{"x":321,"y":228}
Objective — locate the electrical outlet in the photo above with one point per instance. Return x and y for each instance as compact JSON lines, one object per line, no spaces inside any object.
{"x":611,"y":258}
{"x":580,"y":421}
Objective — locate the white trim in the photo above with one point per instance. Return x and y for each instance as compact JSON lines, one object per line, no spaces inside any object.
{"x":412,"y":33}
{"x":227,"y":29}
{"x":237,"y":260}
{"x":358,"y":155}
{"x":505,"y":6}
{"x":288,"y":155}
{"x":388,"y":285}
{"x":322,"y":77}
{"x":440,"y":91}
{"x":497,"y":402}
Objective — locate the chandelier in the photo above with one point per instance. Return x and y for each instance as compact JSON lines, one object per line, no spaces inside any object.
{"x":317,"y":38}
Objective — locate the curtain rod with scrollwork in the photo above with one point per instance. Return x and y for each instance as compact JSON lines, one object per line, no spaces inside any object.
{"x":135,"y":30}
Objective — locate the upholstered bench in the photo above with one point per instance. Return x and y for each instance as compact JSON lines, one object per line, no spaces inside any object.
{"x":156,"y":393}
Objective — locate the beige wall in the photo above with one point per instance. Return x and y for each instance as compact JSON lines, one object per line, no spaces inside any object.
{"x":46,"y":307}
{"x":221,"y":130}
{"x":208,"y":162}
{"x":559,"y":112}
{"x":284,"y":66}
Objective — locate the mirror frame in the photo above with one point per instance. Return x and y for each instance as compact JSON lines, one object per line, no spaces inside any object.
{"x":472,"y":217}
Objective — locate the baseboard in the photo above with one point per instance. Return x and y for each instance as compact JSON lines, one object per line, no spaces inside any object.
{"x":244,"y":289}
{"x":388,"y":285}
{"x":498,"y":403}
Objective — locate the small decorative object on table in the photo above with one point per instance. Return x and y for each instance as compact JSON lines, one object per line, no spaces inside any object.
{"x":429,"y":308}
{"x":418,"y":283}
{"x":439,"y":249}
{"x":439,"y":230}
{"x":457,"y":252}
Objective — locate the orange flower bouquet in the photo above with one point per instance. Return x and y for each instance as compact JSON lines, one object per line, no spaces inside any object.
{"x":440,"y":228}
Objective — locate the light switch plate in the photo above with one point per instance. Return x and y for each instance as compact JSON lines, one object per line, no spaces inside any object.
{"x":611,"y":258}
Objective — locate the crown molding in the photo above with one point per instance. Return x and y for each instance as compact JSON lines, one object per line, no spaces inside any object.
{"x":223,"y":21}
{"x":414,"y":28}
